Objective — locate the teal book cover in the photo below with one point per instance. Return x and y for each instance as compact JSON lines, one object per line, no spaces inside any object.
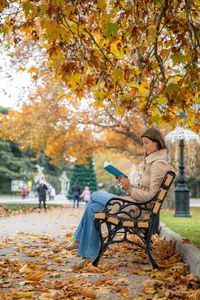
{"x":113,"y":170}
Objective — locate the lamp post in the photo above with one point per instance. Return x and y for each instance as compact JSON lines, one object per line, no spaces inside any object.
{"x":182,"y":202}
{"x":182,"y":207}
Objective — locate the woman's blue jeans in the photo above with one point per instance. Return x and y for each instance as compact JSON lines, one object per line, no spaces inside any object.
{"x":86,"y":233}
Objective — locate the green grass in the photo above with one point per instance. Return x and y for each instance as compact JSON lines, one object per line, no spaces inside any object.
{"x":23,"y":206}
{"x":187,"y":227}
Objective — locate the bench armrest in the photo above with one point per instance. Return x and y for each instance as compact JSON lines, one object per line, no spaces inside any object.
{"x":120,"y":207}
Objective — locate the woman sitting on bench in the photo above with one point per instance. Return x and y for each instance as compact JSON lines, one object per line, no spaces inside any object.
{"x":152,"y":171}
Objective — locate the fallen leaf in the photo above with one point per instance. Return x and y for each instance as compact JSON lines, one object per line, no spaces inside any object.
{"x":92,"y":268}
{"x":21,"y":295}
{"x":186,"y":241}
{"x":69,"y":234}
{"x":35,"y":276}
{"x":89,"y":293}
{"x":150,"y":286}
{"x":137,"y":271}
{"x":121,"y":281}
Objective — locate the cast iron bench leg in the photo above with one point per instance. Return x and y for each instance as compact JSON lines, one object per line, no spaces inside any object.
{"x":103,"y":244}
{"x":148,"y":251}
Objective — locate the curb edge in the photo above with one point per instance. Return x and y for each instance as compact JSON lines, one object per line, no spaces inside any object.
{"x":189,"y":252}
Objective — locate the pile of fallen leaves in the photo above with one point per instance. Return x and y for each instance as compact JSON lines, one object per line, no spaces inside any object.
{"x":173,"y":280}
{"x":26,"y":210}
{"x":8,"y":212}
{"x":39,"y":267}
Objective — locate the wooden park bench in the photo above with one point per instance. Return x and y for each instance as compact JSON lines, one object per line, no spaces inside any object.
{"x":123,"y":218}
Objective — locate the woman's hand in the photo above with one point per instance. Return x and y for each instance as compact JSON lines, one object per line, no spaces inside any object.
{"x":124,"y":182}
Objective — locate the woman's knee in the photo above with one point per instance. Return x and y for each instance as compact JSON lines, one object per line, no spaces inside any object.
{"x":94,"y":206}
{"x":94,"y":195}
{"x":101,"y":197}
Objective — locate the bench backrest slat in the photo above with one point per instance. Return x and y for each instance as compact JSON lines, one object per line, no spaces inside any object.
{"x":168,"y":180}
{"x":164,"y":187}
{"x":161,"y":194}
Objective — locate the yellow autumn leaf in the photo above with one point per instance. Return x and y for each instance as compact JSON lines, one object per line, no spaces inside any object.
{"x":98,"y":104}
{"x":48,"y":295}
{"x":99,"y":95}
{"x":33,"y":70}
{"x":32,"y":254}
{"x":25,"y":268}
{"x":21,"y":69}
{"x":117,"y":74}
{"x":22,"y":283}
{"x":138,"y":271}
{"x":35,"y":276}
{"x":68,"y":9}
{"x":151,"y":36}
{"x":102,"y":4}
{"x":74,"y":80}
{"x":20,"y":295}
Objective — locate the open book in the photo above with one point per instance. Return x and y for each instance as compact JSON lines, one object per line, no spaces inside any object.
{"x":113,"y":170}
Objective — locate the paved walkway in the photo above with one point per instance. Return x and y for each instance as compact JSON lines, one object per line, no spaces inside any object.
{"x":51,"y":222}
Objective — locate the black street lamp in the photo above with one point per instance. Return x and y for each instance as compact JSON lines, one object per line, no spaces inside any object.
{"x":182,"y":202}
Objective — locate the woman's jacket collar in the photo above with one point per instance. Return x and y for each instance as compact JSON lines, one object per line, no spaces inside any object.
{"x":157,"y":155}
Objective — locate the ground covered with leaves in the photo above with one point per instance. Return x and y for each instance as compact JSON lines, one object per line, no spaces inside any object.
{"x":38,"y":266}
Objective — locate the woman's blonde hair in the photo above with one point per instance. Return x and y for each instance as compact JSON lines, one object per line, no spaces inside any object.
{"x":156,"y":136}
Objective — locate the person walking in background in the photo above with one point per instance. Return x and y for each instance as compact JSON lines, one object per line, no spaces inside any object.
{"x":86,"y":194}
{"x":24,"y":192}
{"x":42,"y":193}
{"x":52,"y":193}
{"x":76,"y":191}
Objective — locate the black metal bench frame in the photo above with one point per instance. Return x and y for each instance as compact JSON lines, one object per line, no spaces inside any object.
{"x":122,"y":221}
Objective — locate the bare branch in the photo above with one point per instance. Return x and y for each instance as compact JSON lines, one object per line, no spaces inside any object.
{"x":158,"y":57}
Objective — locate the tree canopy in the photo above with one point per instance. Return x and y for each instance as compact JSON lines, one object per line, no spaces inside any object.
{"x":141,"y":55}
{"x":134,"y":57}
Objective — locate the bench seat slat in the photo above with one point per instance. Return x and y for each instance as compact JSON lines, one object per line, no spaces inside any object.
{"x":113,"y":220}
{"x":143,"y":224}
{"x":128,"y":223}
{"x":140,"y":224}
{"x":100,"y":216}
